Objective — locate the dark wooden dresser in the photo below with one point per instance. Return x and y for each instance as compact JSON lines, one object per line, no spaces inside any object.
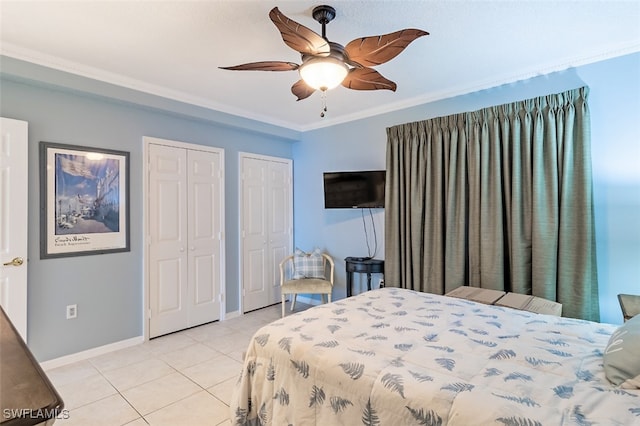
{"x":27,"y":397}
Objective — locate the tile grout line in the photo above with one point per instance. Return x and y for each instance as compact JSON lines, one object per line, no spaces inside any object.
{"x":124,"y":398}
{"x":254,"y":323}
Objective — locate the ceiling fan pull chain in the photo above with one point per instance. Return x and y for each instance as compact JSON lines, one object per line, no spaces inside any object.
{"x":324,"y":103}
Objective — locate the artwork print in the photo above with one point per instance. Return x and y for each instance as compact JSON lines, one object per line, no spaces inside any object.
{"x":84,"y":200}
{"x":87,"y":195}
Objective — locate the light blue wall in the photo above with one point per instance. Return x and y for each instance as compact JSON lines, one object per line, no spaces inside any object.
{"x":108,"y":288}
{"x":615,"y":113}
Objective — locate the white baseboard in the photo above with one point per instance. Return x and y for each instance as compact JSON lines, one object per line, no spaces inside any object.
{"x":90,"y":353}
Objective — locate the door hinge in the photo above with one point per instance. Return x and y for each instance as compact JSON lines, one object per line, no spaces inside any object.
{"x":150,"y":315}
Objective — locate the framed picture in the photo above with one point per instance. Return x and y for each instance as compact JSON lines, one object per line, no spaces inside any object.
{"x":84,"y":200}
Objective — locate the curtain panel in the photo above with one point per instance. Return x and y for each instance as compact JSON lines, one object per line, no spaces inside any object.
{"x":499,"y":198}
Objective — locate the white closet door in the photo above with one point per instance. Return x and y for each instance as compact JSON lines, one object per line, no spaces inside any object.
{"x":267,"y":216}
{"x":168,"y":269}
{"x":255,"y":256}
{"x":205,"y":233}
{"x":280,"y":225}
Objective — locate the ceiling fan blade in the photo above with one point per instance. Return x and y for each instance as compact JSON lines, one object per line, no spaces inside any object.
{"x":367,"y":79}
{"x":302,"y":90}
{"x":298,"y":37}
{"x":264,"y":66}
{"x":376,"y":50}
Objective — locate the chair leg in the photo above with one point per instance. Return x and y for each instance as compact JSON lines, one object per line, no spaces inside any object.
{"x":284,"y":302}
{"x":293,"y":301}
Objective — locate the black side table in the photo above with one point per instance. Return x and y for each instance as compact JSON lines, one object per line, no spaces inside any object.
{"x":362,"y":265}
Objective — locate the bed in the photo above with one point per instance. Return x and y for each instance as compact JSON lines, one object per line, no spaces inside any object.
{"x":398,"y":357}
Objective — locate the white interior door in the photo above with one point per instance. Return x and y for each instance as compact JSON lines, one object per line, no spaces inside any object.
{"x":13,"y":221}
{"x":185,"y":216}
{"x":205,"y":234}
{"x":280,"y":222}
{"x":255,"y":256}
{"x":267,"y":216}
{"x":168,"y":260}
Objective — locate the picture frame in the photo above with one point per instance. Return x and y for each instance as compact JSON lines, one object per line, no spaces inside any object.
{"x":84,"y":201}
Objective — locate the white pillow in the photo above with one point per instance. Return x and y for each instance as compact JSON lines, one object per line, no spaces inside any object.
{"x":622,"y":355}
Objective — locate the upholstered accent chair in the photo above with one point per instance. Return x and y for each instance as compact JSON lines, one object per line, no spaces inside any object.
{"x":306,"y":273}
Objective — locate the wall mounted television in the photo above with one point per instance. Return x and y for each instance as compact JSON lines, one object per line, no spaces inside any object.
{"x":357,"y":189}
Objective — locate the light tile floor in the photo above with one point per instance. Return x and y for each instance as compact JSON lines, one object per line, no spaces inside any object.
{"x":185,"y":378}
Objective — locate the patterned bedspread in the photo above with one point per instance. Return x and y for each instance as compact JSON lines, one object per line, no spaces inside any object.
{"x":397,"y":357}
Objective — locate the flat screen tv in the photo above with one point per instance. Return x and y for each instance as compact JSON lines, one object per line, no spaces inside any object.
{"x":347,"y":190}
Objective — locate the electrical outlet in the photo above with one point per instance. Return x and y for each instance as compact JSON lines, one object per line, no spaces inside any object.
{"x":72,"y":311}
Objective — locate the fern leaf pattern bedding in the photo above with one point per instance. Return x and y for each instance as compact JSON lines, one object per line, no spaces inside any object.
{"x":398,"y":357}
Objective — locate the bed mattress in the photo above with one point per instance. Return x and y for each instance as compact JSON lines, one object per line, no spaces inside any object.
{"x":398,"y":357}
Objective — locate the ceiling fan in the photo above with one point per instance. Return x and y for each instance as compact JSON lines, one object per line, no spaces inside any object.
{"x":326,"y":64}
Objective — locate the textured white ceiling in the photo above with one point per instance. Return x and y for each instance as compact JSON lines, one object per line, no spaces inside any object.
{"x":174,"y":48}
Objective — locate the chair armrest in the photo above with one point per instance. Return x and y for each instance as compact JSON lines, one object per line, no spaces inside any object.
{"x":282,"y":263}
{"x":332,"y":267}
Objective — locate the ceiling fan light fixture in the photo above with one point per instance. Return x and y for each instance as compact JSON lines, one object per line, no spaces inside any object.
{"x":323,"y":73}
{"x":326,"y":64}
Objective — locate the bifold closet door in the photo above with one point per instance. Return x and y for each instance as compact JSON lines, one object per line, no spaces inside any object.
{"x":168,"y":269}
{"x":255,"y":268}
{"x":267,"y":217}
{"x":185,"y":238}
{"x":204,"y":236}
{"x":280,"y":222}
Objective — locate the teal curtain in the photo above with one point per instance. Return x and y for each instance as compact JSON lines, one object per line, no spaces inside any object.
{"x":499,"y":198}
